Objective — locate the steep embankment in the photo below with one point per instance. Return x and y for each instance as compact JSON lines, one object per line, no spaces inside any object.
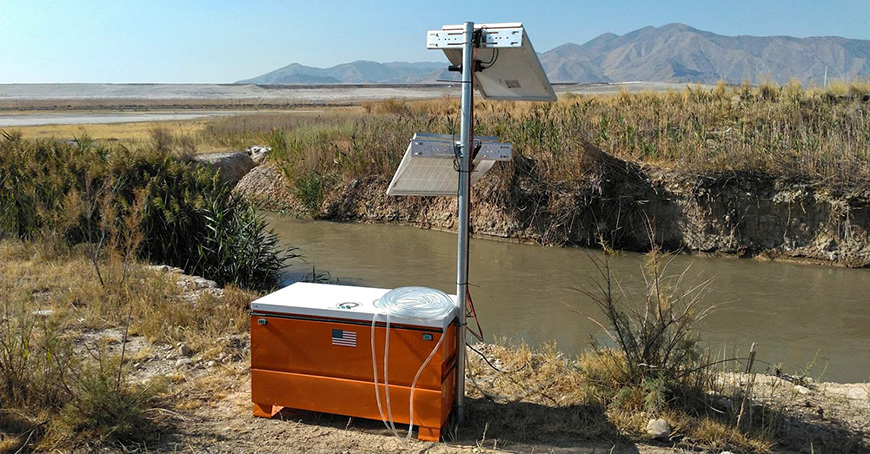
{"x":616,"y":202}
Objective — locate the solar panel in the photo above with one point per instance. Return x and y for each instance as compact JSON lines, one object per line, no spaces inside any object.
{"x":429,"y":166}
{"x":510,"y":69}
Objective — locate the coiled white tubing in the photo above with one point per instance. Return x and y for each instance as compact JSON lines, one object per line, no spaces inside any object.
{"x":417,"y":302}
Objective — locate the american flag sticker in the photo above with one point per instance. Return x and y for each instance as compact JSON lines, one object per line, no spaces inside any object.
{"x":344,"y":338}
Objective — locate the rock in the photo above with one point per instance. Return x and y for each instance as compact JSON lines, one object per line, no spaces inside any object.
{"x":232,"y":166}
{"x":183,"y":349}
{"x":183,"y":362}
{"x":202,"y":283}
{"x":857,"y":394}
{"x":801,"y":389}
{"x":267,"y":186}
{"x":164,"y":269}
{"x":258,"y":153}
{"x":658,"y":428}
{"x":210,"y":364}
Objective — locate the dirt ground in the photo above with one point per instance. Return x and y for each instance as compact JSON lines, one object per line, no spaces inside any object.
{"x":210,"y":411}
{"x":212,"y":414}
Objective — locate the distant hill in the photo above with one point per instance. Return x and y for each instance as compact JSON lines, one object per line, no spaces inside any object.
{"x":679,"y":53}
{"x":358,"y":72}
{"x":671,"y":53}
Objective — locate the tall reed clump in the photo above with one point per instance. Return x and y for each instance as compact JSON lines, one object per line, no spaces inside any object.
{"x":74,"y":220}
{"x":145,"y":202}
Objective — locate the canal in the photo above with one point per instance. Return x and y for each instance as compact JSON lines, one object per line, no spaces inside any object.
{"x":800,"y":316}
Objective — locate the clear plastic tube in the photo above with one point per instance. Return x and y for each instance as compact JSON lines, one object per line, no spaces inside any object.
{"x":375,"y":371}
{"x":417,"y":302}
{"x":414,"y":383}
{"x":386,"y":376}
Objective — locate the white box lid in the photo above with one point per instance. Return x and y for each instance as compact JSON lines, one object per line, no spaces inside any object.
{"x":338,"y":302}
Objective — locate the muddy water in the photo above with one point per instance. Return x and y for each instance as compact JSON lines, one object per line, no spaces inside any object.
{"x":799,"y":315}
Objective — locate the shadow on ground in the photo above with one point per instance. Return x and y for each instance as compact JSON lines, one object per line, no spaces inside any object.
{"x":515,"y":426}
{"x":529,"y":427}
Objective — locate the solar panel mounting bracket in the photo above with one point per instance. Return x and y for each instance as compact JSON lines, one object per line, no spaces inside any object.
{"x":490,"y":38}
{"x":445,"y":145}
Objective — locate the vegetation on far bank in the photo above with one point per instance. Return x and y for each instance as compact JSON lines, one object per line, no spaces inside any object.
{"x":817,"y":135}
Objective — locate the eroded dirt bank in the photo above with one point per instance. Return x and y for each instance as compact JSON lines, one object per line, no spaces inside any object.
{"x":615,"y":202}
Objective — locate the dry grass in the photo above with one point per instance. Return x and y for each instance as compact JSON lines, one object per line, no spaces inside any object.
{"x":64,"y":281}
{"x":542,"y":396}
{"x":131,"y":135}
{"x":786,"y":130}
{"x":83,"y":398}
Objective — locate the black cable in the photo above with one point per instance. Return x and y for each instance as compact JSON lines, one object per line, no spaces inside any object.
{"x":473,"y":313}
{"x":491,"y":61}
{"x":491,"y":365}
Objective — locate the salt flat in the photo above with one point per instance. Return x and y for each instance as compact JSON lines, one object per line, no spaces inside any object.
{"x":47,"y":104}
{"x":291,"y":93}
{"x":78,"y":118}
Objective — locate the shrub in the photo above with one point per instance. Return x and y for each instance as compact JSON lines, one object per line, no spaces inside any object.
{"x":309,"y":189}
{"x":64,"y":397}
{"x":105,"y":408}
{"x":236,"y":246}
{"x":161,"y":139}
{"x":394,"y":106}
{"x":31,"y":350}
{"x":656,"y":356}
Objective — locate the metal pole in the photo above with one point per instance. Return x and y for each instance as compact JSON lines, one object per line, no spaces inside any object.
{"x":466,"y":135}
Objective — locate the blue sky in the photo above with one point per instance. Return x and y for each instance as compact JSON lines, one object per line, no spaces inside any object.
{"x":220,"y":41}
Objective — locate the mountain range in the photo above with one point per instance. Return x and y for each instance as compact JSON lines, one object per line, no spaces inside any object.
{"x":670,"y":53}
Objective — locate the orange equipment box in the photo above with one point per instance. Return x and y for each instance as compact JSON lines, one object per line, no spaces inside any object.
{"x":311,"y":350}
